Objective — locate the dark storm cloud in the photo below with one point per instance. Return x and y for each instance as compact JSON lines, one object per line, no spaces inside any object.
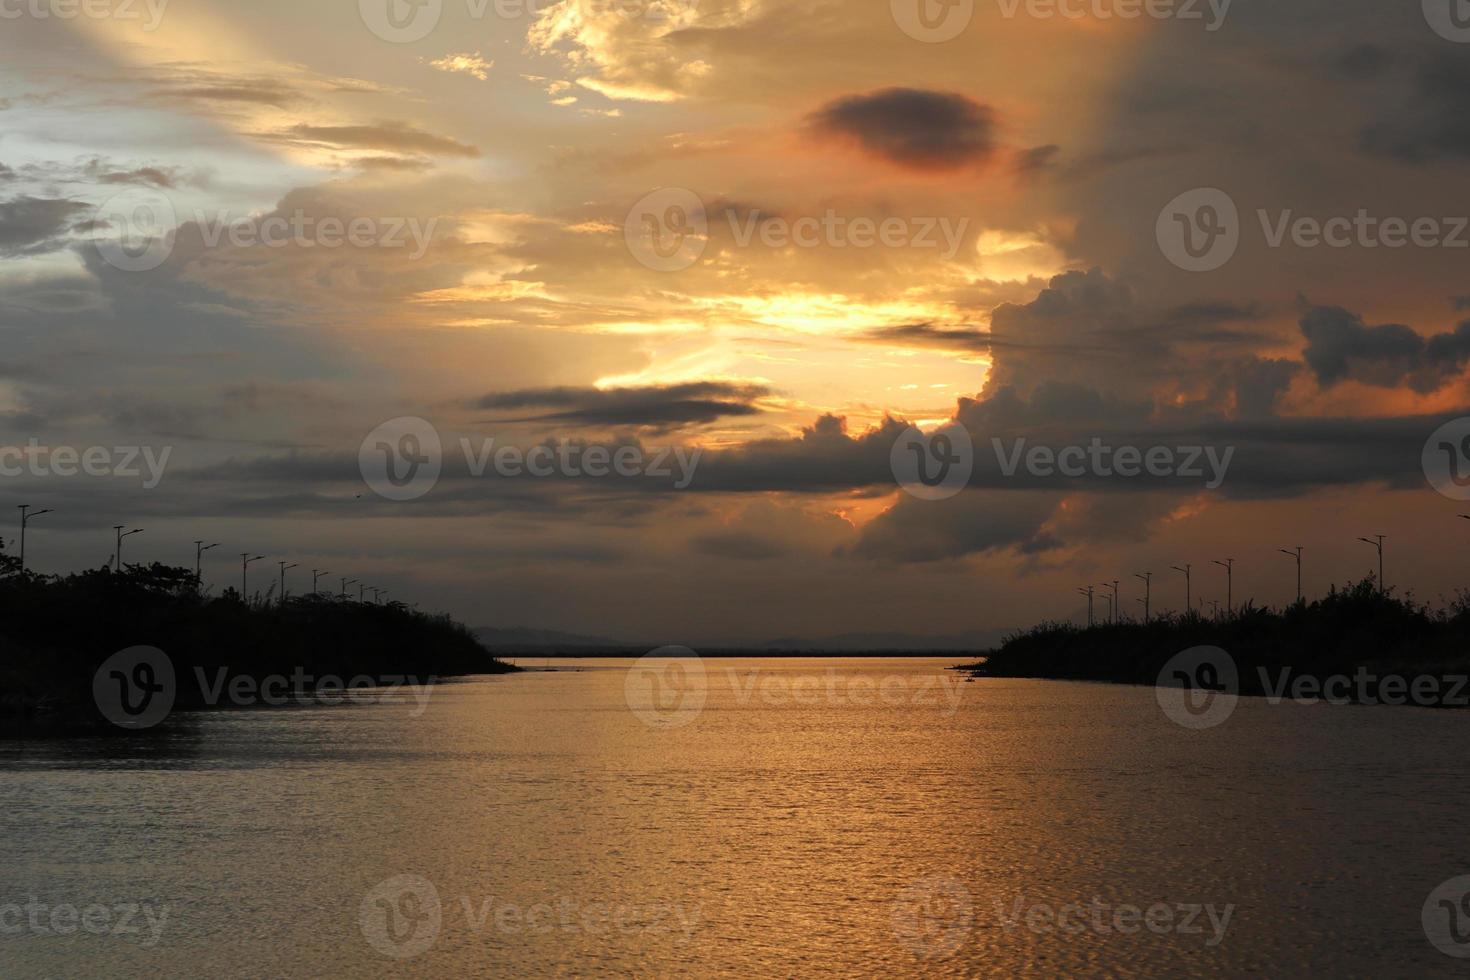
{"x":33,"y":225}
{"x":1027,"y":524}
{"x":1433,"y":123}
{"x":1273,"y":457}
{"x":921,"y":531}
{"x":666,"y":406}
{"x":912,"y":127}
{"x":1257,"y":384}
{"x":1019,"y":512}
{"x":1050,"y":403}
{"x":1341,"y":347}
{"x":1198,"y":322}
{"x":931,"y":335}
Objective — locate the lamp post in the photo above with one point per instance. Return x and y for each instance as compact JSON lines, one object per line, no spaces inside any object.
{"x":1112,"y":602}
{"x":25,"y":518}
{"x":199,"y":549}
{"x":314,"y":576}
{"x":1188,"y":598}
{"x":1297,"y":554}
{"x":284,"y":566}
{"x":1148,"y":588}
{"x":345,"y":583}
{"x":360,"y":588}
{"x":1229,"y":565}
{"x":245,"y":560}
{"x":1379,"y":545}
{"x":118,"y":528}
{"x":1088,"y":592}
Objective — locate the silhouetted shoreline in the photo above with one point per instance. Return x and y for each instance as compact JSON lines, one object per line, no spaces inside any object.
{"x":57,"y":632}
{"x":1372,"y":648}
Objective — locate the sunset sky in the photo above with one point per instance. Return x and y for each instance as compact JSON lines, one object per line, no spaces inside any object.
{"x":520,"y":142}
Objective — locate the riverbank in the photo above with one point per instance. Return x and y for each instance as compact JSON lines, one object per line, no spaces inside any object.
{"x":61,"y":639}
{"x":1354,"y":645}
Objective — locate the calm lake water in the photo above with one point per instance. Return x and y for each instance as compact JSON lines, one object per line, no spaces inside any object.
{"x":857,"y":817}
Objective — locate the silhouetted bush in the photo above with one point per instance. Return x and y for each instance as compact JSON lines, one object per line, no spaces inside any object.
{"x":1357,"y":628}
{"x":56,"y":631}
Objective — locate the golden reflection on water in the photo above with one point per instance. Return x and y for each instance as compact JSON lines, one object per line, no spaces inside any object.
{"x":875,"y":817}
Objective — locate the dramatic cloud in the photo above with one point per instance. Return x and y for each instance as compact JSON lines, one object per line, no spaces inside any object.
{"x":1087,"y":330}
{"x":31,"y":225}
{"x":916,"y":531}
{"x":668,"y":406}
{"x":1434,"y":122}
{"x":1341,"y":347}
{"x":912,"y":127}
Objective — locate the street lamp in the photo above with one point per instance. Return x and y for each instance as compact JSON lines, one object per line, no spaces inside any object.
{"x":1379,"y":545}
{"x":1112,"y":602}
{"x":1188,"y":598}
{"x":1297,"y":554}
{"x":345,"y":583}
{"x":284,"y":566}
{"x":314,"y":576}
{"x":245,"y":560}
{"x":120,"y":535}
{"x":199,"y":549}
{"x":24,"y":519}
{"x":1148,"y":588}
{"x":1229,"y":565}
{"x":1088,"y":592}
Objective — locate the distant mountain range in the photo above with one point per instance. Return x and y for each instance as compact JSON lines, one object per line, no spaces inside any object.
{"x":520,"y":637}
{"x":525,"y":638}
